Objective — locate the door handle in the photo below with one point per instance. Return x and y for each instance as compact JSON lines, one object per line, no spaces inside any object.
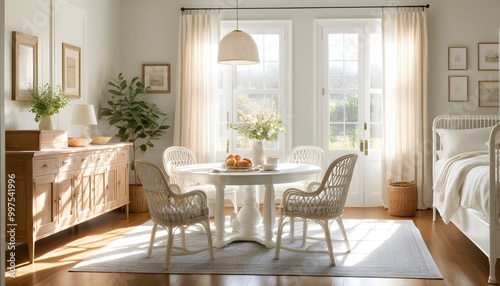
{"x":366,"y":147}
{"x":361,"y":149}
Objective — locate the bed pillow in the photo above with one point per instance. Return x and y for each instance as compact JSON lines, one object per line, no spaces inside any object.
{"x":456,"y":141}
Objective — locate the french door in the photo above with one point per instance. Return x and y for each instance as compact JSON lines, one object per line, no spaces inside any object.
{"x":350,"y":60}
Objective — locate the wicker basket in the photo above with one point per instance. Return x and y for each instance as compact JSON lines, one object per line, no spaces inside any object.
{"x":138,"y":203}
{"x":402,"y":198}
{"x":77,"y":142}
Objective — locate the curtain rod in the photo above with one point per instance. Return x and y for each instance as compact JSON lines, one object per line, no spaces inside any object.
{"x":308,"y":7}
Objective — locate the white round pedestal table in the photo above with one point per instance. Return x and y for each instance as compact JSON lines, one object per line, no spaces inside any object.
{"x":246,"y":227}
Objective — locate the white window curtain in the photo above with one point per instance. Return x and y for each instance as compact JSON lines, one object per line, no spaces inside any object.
{"x":405,"y":127}
{"x":196,"y":108}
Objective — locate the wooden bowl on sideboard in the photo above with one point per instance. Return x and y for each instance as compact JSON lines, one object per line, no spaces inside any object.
{"x":100,"y":140}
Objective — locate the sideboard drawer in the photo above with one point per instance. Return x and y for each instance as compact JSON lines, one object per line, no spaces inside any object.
{"x":122,"y":155}
{"x":45,"y":165}
{"x":66,"y":163}
{"x":83,"y":160}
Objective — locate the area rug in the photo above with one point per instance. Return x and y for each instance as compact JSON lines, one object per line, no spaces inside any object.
{"x":380,"y":248}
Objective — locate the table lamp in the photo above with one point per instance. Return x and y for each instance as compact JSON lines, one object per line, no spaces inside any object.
{"x":84,"y":115}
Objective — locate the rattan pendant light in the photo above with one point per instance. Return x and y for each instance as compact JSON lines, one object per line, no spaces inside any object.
{"x":238,"y":47}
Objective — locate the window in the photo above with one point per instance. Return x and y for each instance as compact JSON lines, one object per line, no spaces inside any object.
{"x":256,"y":89}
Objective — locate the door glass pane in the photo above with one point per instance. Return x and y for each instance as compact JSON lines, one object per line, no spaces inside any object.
{"x":343,"y":68}
{"x":343,"y":120}
{"x":337,"y":108}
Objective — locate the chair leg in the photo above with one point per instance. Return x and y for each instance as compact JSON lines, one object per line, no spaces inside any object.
{"x":304,"y":231}
{"x":344,"y":234}
{"x":206,"y":226}
{"x":183,"y":236}
{"x":152,"y":239}
{"x":292,"y":229}
{"x":278,"y":238}
{"x":170,"y":244}
{"x":328,"y":241}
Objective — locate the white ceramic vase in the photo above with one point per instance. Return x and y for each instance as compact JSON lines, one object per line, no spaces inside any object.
{"x":46,"y":123}
{"x":257,"y":155}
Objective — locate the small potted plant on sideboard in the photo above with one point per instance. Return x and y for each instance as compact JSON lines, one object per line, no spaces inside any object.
{"x":45,"y":102}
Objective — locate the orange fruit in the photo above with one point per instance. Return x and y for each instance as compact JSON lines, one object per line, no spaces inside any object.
{"x":231,"y":162}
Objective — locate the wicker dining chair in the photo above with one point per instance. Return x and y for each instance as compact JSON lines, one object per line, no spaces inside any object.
{"x":177,"y":156}
{"x":171,"y":209}
{"x":321,"y":205}
{"x":302,"y":154}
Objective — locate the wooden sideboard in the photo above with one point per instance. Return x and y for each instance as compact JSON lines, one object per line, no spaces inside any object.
{"x":60,"y":188}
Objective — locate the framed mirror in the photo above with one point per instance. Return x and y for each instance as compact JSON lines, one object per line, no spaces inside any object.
{"x":24,"y":65}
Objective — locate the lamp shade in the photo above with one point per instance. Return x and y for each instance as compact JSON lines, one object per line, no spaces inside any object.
{"x":238,"y":48}
{"x":83,"y":114}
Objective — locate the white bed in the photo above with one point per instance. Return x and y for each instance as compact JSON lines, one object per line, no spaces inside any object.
{"x":466,"y":172}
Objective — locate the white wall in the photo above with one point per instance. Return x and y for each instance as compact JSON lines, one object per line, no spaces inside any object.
{"x":121,"y":35}
{"x":93,"y":25}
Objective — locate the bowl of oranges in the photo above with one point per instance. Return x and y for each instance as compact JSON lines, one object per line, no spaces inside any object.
{"x":235,"y":161}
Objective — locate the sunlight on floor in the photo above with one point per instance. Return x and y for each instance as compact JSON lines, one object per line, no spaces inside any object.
{"x":365,"y":238}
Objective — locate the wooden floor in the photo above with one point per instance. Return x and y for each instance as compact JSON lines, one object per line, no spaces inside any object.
{"x":460,"y":262}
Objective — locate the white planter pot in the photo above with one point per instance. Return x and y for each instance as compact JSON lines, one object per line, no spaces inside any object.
{"x":47,"y":123}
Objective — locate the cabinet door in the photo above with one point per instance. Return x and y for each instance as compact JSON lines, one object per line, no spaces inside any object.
{"x":111,"y":196}
{"x":45,"y":203}
{"x":122,"y":183}
{"x":98,"y":194}
{"x":66,"y":198}
{"x":83,"y":191}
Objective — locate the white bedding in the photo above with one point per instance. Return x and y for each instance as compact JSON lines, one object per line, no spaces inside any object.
{"x":462,"y":180}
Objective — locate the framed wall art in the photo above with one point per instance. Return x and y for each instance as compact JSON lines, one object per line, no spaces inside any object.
{"x":24,"y":65}
{"x":487,"y":54}
{"x":71,"y":70}
{"x":157,"y":76}
{"x":488,"y":93}
{"x":457,"y":58}
{"x":457,"y":89}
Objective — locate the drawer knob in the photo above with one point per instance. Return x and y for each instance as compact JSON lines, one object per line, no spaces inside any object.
{"x":45,"y":165}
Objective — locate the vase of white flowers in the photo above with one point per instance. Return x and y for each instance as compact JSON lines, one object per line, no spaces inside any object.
{"x":259,"y":127}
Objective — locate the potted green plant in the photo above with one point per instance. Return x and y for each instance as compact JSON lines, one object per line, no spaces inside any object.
{"x":138,"y":121}
{"x":45,"y":102}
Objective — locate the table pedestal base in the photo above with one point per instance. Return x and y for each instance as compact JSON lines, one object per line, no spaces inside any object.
{"x":247,"y":223}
